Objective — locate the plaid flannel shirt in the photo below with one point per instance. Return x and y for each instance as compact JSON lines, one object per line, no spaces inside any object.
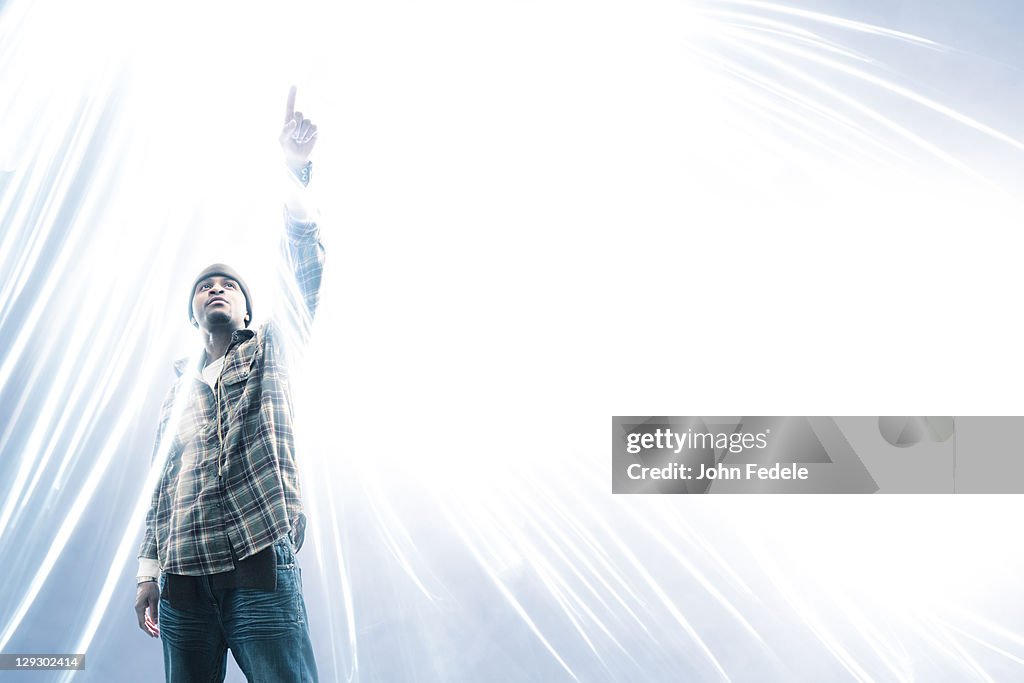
{"x":232,"y":484}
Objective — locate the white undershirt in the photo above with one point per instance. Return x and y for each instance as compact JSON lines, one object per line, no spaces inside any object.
{"x":212,"y":371}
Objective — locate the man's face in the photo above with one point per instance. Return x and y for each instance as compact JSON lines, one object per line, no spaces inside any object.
{"x":218,"y":302}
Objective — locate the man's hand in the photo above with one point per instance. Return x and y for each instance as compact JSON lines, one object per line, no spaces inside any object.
{"x":298,"y":136}
{"x":147,"y":608}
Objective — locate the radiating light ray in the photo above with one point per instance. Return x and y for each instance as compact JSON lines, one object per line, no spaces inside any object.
{"x":809,"y":617}
{"x":667,"y":602}
{"x":559,"y":540}
{"x":340,"y":563}
{"x":71,"y":520}
{"x":126,"y":546}
{"x":808,"y":41}
{"x":989,"y":626}
{"x":811,"y":135}
{"x":782,"y":29}
{"x":118,"y":364}
{"x":58,"y":396}
{"x":836,"y":118}
{"x":981,"y":641}
{"x":37,"y":456}
{"x":840,"y":22}
{"x":885,"y":84}
{"x":699,"y":576}
{"x":506,"y":593}
{"x":30,"y":383}
{"x":721,"y":566}
{"x":61,"y":398}
{"x":564,"y":598}
{"x":26,"y":260}
{"x":880,"y":644}
{"x":603,"y":569}
{"x":67,"y":164}
{"x":325,"y":534}
{"x":870,"y":112}
{"x":965,"y":659}
{"x":918,"y":613}
{"x":559,"y":588}
{"x":390,"y":526}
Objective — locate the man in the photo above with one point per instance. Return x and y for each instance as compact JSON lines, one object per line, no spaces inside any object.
{"x":217,"y":564}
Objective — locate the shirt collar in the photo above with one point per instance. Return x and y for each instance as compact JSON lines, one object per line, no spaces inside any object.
{"x":237,"y":337}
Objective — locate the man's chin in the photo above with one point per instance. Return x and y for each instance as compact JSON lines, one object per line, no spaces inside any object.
{"x":217,"y":321}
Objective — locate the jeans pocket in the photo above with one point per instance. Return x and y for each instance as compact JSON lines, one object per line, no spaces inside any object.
{"x":262,"y":613}
{"x":284,"y":555}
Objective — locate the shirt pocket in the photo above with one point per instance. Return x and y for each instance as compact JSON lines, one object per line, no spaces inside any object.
{"x":241,"y":366}
{"x":241,"y":363}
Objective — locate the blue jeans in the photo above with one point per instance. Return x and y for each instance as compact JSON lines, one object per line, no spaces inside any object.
{"x":266,"y":631}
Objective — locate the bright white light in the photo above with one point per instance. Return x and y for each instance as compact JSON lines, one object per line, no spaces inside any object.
{"x":537,"y":215}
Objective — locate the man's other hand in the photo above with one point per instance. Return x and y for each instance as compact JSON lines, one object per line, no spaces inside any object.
{"x":147,"y":608}
{"x":298,"y":135}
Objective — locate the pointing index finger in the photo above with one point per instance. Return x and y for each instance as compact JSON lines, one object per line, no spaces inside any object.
{"x":289,"y":110}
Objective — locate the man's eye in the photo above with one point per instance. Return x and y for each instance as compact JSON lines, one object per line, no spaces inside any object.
{"x":229,"y":285}
{"x":205,"y":285}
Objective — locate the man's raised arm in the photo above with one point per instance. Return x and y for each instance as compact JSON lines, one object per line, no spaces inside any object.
{"x":303,"y":253}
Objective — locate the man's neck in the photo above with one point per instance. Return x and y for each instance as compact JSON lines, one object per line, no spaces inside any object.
{"x":217,"y":342}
